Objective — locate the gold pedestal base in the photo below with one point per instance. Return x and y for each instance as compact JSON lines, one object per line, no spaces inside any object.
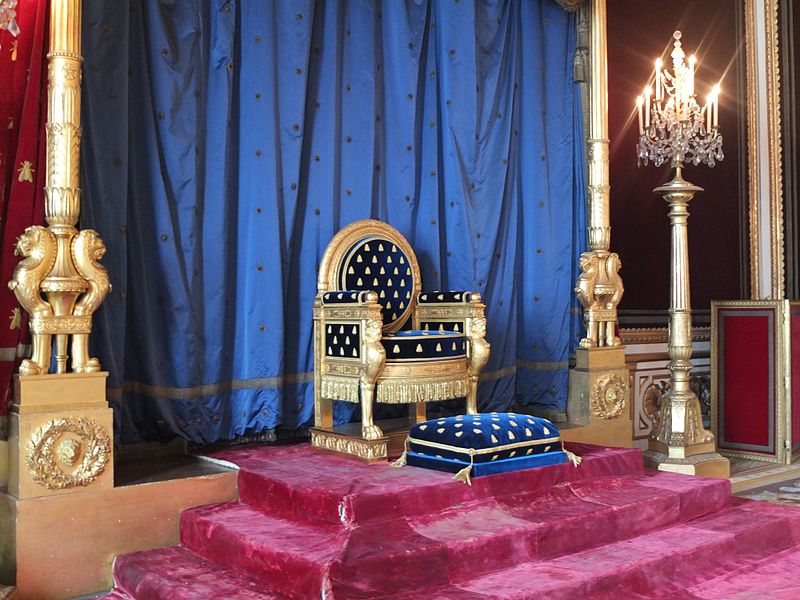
{"x":63,"y":546}
{"x":60,"y":436}
{"x":615,"y":432}
{"x":705,"y":464}
{"x":346,"y":439}
{"x":598,"y":408}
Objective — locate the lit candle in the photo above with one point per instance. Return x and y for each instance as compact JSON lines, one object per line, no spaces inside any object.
{"x":690,"y":83}
{"x":639,"y":102}
{"x":647,"y":92}
{"x":716,"y":105}
{"x":659,"y":91}
{"x":707,"y":108}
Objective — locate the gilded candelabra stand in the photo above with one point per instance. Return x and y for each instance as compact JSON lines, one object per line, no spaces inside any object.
{"x":675,"y":128}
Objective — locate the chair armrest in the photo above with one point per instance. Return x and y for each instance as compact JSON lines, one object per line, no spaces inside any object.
{"x":347,"y":297}
{"x":449,"y":297}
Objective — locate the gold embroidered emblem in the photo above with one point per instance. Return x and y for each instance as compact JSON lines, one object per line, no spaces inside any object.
{"x":26,"y":171}
{"x":16,"y":319}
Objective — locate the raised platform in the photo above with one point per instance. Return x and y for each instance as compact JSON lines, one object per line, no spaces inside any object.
{"x":142,"y":511}
{"x":311,"y":525}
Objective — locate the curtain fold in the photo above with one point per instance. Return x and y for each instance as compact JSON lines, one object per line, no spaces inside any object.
{"x":23,"y":112}
{"x":226,"y":143}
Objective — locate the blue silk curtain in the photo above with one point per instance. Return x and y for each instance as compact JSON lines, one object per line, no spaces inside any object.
{"x":226,"y":142}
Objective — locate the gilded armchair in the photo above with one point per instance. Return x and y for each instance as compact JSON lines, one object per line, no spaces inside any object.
{"x":368,"y":293}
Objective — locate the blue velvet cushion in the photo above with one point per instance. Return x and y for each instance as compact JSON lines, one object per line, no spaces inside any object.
{"x":375,"y":263}
{"x":484,"y":437}
{"x":415,"y":345}
{"x":442,"y":296}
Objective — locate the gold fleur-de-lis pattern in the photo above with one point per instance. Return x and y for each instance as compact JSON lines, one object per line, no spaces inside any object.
{"x":343,"y":340}
{"x":379,"y":265}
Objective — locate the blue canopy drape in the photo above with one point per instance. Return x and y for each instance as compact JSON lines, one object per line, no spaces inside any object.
{"x":226,"y":142}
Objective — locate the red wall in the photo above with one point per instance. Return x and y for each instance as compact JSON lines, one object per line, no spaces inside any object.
{"x":638,"y":32}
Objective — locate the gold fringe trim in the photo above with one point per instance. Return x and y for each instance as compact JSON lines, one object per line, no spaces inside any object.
{"x":340,"y":388}
{"x":421,"y":390}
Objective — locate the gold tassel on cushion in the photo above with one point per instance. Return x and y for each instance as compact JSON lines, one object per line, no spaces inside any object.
{"x":576,"y":460}
{"x":464,"y":474}
{"x":401,"y":462}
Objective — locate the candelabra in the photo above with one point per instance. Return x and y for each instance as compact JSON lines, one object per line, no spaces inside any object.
{"x":8,"y":15}
{"x":674,"y":127}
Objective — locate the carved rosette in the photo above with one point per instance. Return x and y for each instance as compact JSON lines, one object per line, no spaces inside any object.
{"x":608,"y":397}
{"x":68,"y":452}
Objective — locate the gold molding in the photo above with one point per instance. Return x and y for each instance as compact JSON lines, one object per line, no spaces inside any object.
{"x":773,"y":149}
{"x":369,"y":450}
{"x":658,"y":335}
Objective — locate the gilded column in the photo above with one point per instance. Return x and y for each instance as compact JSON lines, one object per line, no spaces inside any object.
{"x":60,"y":282}
{"x":61,"y":427}
{"x":599,"y":388}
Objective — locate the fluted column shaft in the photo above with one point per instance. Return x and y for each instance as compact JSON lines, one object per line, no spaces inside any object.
{"x":599,"y":188}
{"x":63,"y":284}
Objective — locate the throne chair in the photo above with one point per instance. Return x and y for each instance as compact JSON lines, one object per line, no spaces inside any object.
{"x":378,"y":338}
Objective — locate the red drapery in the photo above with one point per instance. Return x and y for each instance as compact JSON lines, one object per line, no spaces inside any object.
{"x":23,"y":112}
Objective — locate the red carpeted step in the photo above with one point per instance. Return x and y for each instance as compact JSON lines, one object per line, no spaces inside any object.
{"x":293,"y":557}
{"x":655,"y":565}
{"x":461,"y":543}
{"x":300,"y":483}
{"x":116,"y":595}
{"x":175,"y":573}
{"x":774,"y":577}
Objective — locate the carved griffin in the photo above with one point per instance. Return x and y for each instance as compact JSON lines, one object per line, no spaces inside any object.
{"x":38,"y":245}
{"x":599,"y":289}
{"x":87,"y":250}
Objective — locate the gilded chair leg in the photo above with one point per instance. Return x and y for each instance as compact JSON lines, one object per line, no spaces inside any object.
{"x":472,"y":396}
{"x":369,"y":431}
{"x":478,"y":357}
